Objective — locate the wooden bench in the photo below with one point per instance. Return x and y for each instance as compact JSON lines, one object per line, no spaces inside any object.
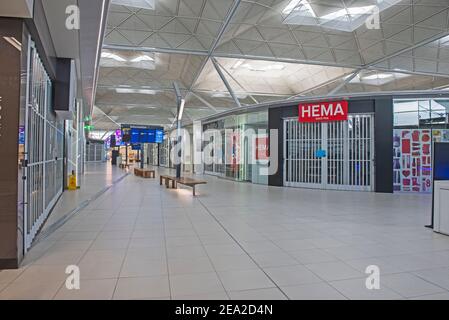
{"x":189,"y":182}
{"x":144,"y":173}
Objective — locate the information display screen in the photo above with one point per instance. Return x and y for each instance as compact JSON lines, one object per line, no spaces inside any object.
{"x":146,"y":136}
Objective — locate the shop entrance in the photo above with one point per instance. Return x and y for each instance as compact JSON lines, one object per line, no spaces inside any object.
{"x":44,"y":141}
{"x":334,"y":155}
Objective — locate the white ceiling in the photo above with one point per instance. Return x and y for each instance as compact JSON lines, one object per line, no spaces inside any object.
{"x":266,"y":51}
{"x":16,"y":8}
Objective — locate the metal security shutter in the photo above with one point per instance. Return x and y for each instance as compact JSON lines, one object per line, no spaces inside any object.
{"x":349,"y":148}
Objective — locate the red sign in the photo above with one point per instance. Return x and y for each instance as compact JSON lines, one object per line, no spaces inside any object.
{"x":323,"y":111}
{"x":262,"y":149}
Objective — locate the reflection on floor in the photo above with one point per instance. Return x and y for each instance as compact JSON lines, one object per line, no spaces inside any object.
{"x":97,"y":177}
{"x":238,"y":241}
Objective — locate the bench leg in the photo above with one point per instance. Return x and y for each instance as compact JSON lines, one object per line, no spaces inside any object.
{"x":194,"y":191}
{"x":160,"y":181}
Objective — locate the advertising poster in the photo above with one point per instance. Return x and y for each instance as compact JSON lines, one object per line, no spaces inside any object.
{"x":412,"y":162}
{"x":262,"y":148}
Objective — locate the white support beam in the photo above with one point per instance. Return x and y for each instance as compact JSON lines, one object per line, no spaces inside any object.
{"x":226,"y":83}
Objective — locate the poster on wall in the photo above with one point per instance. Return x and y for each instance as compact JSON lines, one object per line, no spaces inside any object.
{"x":440,"y":135}
{"x":262,"y":147}
{"x":412,"y":162}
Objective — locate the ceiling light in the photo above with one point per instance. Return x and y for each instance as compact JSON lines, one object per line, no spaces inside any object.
{"x":238,"y":64}
{"x":181,"y":109}
{"x":271,"y":67}
{"x":217,"y":94}
{"x":108,"y":55}
{"x":139,"y":91}
{"x":377,"y":76}
{"x":444,"y":41}
{"x":141,"y":58}
{"x":13,"y":41}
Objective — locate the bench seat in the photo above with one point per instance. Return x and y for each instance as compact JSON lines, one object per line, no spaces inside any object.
{"x":189,"y":182}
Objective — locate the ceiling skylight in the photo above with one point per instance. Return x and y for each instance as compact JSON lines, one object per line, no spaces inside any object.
{"x":336,"y":16}
{"x":114,"y":59}
{"x":143,"y":4}
{"x":141,"y":58}
{"x":378,"y":78}
{"x":109,"y":55}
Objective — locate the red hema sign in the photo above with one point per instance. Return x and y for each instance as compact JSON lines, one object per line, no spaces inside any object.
{"x":324,"y":111}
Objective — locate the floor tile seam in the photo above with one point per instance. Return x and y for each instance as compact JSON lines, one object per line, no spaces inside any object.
{"x":165,"y":245}
{"x":124,"y":259}
{"x":210,"y":259}
{"x":241,"y":247}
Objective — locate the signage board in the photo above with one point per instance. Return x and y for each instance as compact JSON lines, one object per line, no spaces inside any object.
{"x":323,"y":111}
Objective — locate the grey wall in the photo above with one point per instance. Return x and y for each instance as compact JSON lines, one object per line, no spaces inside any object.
{"x":10,"y":66}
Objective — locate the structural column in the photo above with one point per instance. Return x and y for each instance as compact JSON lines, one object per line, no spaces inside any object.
{"x":11,"y":220}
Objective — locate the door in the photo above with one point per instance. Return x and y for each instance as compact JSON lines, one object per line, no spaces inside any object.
{"x":334,"y":155}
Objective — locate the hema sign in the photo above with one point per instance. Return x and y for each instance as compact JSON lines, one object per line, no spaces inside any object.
{"x":323,"y":111}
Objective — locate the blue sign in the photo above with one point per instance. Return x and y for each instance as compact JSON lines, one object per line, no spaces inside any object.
{"x":159,"y":136}
{"x":321,"y":154}
{"x":146,"y":136}
{"x":136,"y":147}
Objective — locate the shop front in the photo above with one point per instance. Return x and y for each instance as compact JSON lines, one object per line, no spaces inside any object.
{"x":238,"y":146}
{"x":417,"y":124}
{"x":334,"y":144}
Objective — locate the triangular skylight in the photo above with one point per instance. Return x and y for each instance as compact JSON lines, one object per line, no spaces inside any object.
{"x":143,"y":4}
{"x":343,"y":16}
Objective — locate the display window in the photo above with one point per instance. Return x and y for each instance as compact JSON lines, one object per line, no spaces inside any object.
{"x":418,"y":123}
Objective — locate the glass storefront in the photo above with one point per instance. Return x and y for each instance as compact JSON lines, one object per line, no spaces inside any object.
{"x":235,"y":140}
{"x":417,"y":123}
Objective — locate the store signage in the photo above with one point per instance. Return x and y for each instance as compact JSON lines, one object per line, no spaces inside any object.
{"x":262,"y":149}
{"x":323,"y":111}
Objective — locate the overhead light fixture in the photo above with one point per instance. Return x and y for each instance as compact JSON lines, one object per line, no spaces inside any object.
{"x":138,"y":91}
{"x":218,"y":94}
{"x":14,"y":42}
{"x":141,"y":58}
{"x":109,"y":55}
{"x":181,"y":109}
{"x":377,"y":76}
{"x":444,"y":41}
{"x":271,"y":67}
{"x":238,"y":64}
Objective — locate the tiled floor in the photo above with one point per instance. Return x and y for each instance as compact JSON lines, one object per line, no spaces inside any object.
{"x":238,"y":241}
